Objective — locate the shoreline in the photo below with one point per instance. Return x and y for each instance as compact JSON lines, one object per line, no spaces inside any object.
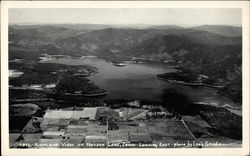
{"x":32,"y":100}
{"x":88,"y":95}
{"x":189,"y":84}
{"x":234,"y":110}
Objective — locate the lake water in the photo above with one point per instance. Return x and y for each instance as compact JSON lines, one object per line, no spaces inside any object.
{"x":138,"y":81}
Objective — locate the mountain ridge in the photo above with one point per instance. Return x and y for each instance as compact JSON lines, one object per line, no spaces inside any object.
{"x":195,"y":49}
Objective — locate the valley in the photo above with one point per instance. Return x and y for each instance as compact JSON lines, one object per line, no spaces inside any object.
{"x":194,"y":73}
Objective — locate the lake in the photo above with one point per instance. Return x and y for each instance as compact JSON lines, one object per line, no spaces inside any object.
{"x":138,"y":80}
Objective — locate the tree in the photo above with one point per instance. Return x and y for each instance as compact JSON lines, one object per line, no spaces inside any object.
{"x":178,"y":101}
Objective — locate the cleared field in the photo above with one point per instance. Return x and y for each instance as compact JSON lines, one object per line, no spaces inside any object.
{"x":12,"y":138}
{"x":117,"y":136}
{"x":199,"y":131}
{"x":32,"y":126}
{"x":58,"y":114}
{"x":67,"y":114}
{"x":168,"y":128}
{"x":29,"y":140}
{"x":196,"y":120}
{"x":78,"y":132}
{"x":106,"y":112}
{"x":139,"y":138}
{"x":131,"y":113}
{"x":122,"y":134}
{"x":52,"y":128}
{"x":142,"y":127}
{"x":127,"y":129}
{"x":95,"y":129}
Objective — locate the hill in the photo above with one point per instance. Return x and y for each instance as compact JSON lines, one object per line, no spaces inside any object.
{"x":228,"y":31}
{"x":217,"y":49}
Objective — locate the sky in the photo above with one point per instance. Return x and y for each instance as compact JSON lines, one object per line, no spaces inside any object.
{"x":128,"y":16}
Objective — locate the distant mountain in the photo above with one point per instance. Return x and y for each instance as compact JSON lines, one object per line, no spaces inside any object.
{"x":68,"y":26}
{"x":121,"y":39}
{"x":215,"y":51}
{"x":102,"y":39}
{"x":84,"y":27}
{"x":36,"y":35}
{"x":229,"y":31}
{"x":74,"y":39}
{"x":195,"y":47}
{"x":166,"y":27}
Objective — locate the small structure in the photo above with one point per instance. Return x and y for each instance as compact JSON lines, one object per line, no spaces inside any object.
{"x":134,"y":103}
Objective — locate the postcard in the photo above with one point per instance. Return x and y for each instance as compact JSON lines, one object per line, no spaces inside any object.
{"x":125,"y":77}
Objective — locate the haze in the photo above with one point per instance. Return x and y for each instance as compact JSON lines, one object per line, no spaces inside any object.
{"x":128,"y":16}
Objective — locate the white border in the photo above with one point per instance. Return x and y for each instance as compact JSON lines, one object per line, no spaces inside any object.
{"x":5,"y":5}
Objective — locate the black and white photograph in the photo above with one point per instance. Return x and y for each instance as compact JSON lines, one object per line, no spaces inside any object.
{"x":132,"y":77}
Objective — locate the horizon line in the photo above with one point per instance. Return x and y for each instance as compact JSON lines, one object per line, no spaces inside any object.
{"x":134,"y":24}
